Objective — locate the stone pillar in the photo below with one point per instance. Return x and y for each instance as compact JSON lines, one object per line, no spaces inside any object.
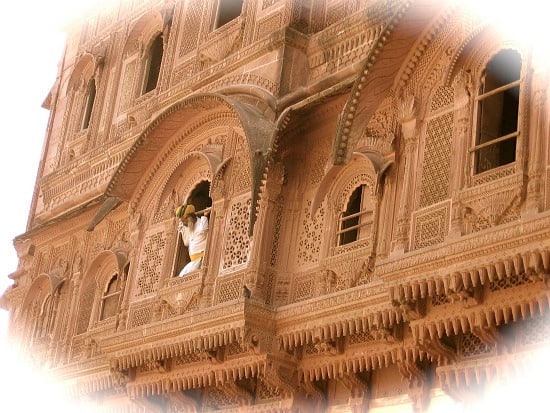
{"x":263,"y":233}
{"x":408,"y":120}
{"x":460,"y":145}
{"x":136,"y":235}
{"x":536,"y":147}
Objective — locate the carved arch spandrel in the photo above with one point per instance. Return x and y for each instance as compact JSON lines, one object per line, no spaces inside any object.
{"x":142,"y":31}
{"x":175,"y":183}
{"x":43,"y":285}
{"x":373,"y":163}
{"x":83,"y":70}
{"x":151,"y":148}
{"x":380,"y":72}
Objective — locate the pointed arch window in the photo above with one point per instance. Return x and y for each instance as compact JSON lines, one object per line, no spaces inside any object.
{"x":153,"y":63}
{"x":356,"y":221}
{"x":226,"y":11}
{"x":110,"y":299}
{"x":88,"y":106}
{"x":497,"y":114}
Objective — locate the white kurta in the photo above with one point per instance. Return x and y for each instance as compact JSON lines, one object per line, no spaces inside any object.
{"x":195,"y":240}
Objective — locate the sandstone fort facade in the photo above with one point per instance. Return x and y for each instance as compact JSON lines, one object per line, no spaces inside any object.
{"x":378,"y":173}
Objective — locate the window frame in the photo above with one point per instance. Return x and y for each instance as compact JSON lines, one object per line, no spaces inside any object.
{"x":116,"y":278}
{"x":361,"y":215}
{"x":150,"y":56}
{"x":219,"y":12}
{"x":477,"y":120}
{"x":89,"y":103}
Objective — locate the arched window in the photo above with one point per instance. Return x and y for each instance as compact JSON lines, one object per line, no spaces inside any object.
{"x":226,"y":11}
{"x":152,"y":64}
{"x":356,"y":221}
{"x":110,"y":299}
{"x":200,"y":199}
{"x":88,"y":106}
{"x":44,"y":320}
{"x":497,"y":112}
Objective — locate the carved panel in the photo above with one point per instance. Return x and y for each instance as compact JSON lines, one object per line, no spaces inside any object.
{"x":265,"y":392}
{"x":215,"y":399}
{"x":431,"y":225}
{"x":276,"y":235}
{"x":472,"y":346}
{"x":237,"y":241}
{"x":493,"y":175}
{"x":337,"y":11}
{"x":86,"y":302}
{"x":127,"y":86}
{"x":139,"y":315}
{"x":443,"y":96}
{"x":150,"y":264}
{"x":188,"y":37}
{"x":494,"y":202}
{"x":303,"y":287}
{"x":242,"y":180}
{"x":317,"y":170}
{"x":269,"y":24}
{"x":311,"y":234}
{"x":229,"y":289}
{"x":222,"y":42}
{"x":436,"y":167}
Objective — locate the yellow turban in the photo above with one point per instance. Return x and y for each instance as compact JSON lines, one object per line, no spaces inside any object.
{"x":184,"y":210}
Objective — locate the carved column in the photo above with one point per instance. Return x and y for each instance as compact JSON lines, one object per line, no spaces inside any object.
{"x":136,"y":235}
{"x":408,"y":120}
{"x":264,"y":232}
{"x":71,"y":308}
{"x":460,"y":146}
{"x":538,"y":136}
{"x":211,"y":261}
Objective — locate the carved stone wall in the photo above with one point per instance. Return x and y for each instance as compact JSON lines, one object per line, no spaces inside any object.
{"x":283,"y":113}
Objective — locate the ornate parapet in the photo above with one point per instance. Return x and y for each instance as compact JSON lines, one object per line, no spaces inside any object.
{"x":75,"y":184}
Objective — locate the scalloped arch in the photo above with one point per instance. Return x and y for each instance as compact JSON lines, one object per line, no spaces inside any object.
{"x":175,"y":173}
{"x":337,"y":176}
{"x":161,"y":136}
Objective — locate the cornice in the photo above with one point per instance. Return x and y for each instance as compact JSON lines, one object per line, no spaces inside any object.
{"x":206,"y":330}
{"x":348,"y":312}
{"x":353,"y":363}
{"x":197,"y":376}
{"x":495,"y":312}
{"x":467,"y":251}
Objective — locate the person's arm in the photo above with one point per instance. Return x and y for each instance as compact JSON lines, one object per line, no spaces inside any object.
{"x":204,"y":212}
{"x":184,"y":231}
{"x":204,"y":223}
